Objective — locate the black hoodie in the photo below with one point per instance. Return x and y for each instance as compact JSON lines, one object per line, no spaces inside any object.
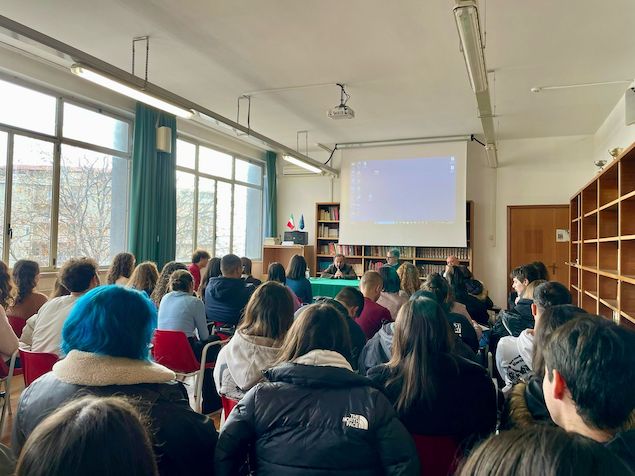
{"x":226,"y":298}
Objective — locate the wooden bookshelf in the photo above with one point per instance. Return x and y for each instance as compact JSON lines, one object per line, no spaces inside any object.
{"x":364,"y":257}
{"x":602,"y":246}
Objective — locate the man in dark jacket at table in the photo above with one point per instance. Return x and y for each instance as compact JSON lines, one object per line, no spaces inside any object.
{"x":339,"y":269}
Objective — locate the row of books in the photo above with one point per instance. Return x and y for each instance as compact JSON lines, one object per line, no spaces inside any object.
{"x":405,"y":252}
{"x":327,"y":249}
{"x":349,"y":250}
{"x":442,"y":253}
{"x":325,"y":231}
{"x":330,"y":213}
{"x":426,"y":269}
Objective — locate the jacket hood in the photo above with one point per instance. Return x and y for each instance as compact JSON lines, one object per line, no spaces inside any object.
{"x":223,"y":288}
{"x":523,"y":307}
{"x":318,"y":371}
{"x":246,"y":357}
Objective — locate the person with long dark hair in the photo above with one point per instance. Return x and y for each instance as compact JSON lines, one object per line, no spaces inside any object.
{"x":161,"y":287}
{"x":26,"y":275}
{"x":390,"y":297}
{"x":121,"y":269}
{"x":8,"y":339}
{"x":212,"y":270}
{"x":428,"y":383}
{"x":276,"y":273}
{"x":313,"y":414}
{"x":297,"y":281}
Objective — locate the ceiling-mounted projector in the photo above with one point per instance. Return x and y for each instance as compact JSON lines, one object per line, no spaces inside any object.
{"x":342,"y":111}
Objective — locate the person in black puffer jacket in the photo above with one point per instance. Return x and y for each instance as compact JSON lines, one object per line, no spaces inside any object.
{"x":106,"y":340}
{"x":313,"y":415}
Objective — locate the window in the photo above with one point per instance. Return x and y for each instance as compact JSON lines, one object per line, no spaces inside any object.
{"x":50,"y":217}
{"x":227,"y":216}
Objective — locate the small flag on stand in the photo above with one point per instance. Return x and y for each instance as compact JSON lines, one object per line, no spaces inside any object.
{"x":291,"y":223}
{"x":301,"y":222}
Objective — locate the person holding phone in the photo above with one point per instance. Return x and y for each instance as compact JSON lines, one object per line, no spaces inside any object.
{"x":339,"y":269}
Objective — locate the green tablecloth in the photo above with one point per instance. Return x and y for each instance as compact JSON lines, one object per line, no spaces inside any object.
{"x":330,"y":287}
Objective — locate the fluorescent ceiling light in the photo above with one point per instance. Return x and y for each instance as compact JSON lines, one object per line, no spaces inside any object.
{"x":466,"y":17}
{"x":121,"y":88}
{"x":301,"y":163}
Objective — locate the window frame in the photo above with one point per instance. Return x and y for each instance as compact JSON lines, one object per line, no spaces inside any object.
{"x":197,"y":142}
{"x":57,"y":139}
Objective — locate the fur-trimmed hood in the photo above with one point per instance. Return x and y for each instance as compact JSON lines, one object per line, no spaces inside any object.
{"x":94,"y":370}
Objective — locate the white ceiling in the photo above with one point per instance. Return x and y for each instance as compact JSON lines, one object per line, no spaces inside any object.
{"x":400,"y":60}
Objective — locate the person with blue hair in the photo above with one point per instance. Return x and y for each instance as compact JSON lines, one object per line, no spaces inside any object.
{"x":106,"y":339}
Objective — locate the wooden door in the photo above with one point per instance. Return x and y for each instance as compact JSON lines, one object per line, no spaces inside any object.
{"x":531,"y":236}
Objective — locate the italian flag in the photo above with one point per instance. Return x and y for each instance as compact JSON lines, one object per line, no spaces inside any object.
{"x":290,"y":223}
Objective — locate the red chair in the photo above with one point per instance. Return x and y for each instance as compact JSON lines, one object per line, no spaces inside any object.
{"x":17,"y":324}
{"x":36,"y":364}
{"x":438,"y":455}
{"x":172,"y":349}
{"x":228,"y":406}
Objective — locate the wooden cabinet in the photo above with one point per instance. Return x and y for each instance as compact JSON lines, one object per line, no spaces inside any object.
{"x":363,"y":257}
{"x":282,"y":254}
{"x":602,"y":246}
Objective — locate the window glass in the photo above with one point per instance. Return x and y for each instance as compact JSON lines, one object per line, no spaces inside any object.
{"x":93,"y":205}
{"x":26,"y":108}
{"x":215,"y":163}
{"x":95,"y":128}
{"x":184,"y":216}
{"x":247,"y":240}
{"x":206,"y":222}
{"x":185,"y":154}
{"x":3,"y":183}
{"x":224,"y":217}
{"x":247,"y":172}
{"x":31,"y":197}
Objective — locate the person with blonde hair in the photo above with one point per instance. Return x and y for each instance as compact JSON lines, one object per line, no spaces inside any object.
{"x":409,"y":279}
{"x":313,"y":414}
{"x":144,"y":277}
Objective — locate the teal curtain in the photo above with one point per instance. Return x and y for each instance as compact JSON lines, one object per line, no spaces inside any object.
{"x":271,"y":210}
{"x":153,"y":189}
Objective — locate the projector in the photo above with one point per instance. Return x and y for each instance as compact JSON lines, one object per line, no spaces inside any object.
{"x":341,"y":112}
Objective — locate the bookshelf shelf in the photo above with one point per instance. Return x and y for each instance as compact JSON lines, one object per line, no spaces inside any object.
{"x":364,"y":257}
{"x":602,"y":247}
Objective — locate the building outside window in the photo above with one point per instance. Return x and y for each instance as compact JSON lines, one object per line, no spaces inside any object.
{"x":64,"y":178}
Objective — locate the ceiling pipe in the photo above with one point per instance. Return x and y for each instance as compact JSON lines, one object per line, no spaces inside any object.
{"x":70,"y":55}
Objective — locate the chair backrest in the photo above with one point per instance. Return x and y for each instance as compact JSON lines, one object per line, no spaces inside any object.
{"x":438,"y":455}
{"x":172,"y":349}
{"x":17,"y":324}
{"x":36,"y":364}
{"x":228,"y":405}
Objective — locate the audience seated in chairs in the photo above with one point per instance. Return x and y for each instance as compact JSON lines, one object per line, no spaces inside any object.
{"x":589,"y":382}
{"x":297,"y":281}
{"x":43,"y":331}
{"x":144,"y":277}
{"x":353,"y":301}
{"x":313,"y":414}
{"x":257,"y":341}
{"x":373,"y":315}
{"x":106,"y":340}
{"x":276,"y":273}
{"x":408,"y":279}
{"x":226,"y":296}
{"x":181,"y":311}
{"x":514,"y":355}
{"x":434,"y":391}
{"x":541,"y":450}
{"x":121,"y":269}
{"x":90,"y":436}
{"x":27,"y":302}
{"x":526,"y":404}
{"x":476,"y":308}
{"x":162,"y":287}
